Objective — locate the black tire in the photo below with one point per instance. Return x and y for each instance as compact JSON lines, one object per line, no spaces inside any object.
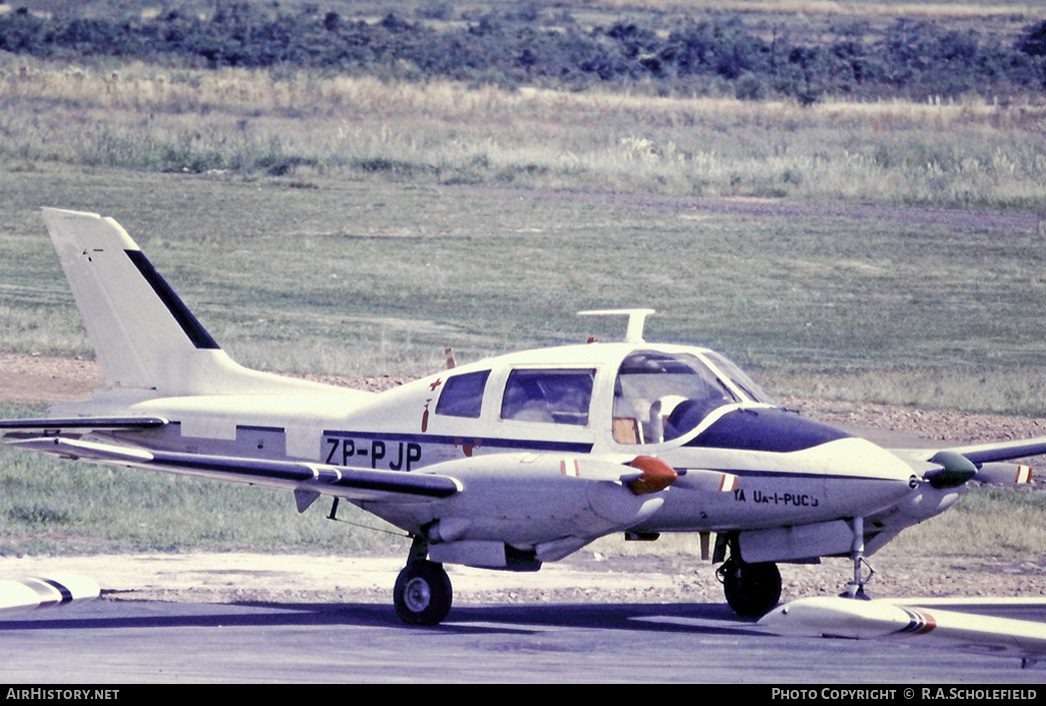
{"x":752,"y":590}
{"x":423,"y":593}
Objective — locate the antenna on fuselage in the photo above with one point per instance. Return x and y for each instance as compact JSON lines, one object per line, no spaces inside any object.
{"x":636,"y":320}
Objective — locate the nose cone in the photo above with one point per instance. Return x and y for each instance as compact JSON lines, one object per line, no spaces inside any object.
{"x":861,"y":479}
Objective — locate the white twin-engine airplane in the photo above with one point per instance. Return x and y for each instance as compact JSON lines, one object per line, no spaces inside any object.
{"x":506,"y":463}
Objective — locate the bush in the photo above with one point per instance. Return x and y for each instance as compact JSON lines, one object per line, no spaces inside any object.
{"x":1034,"y":42}
{"x":750,"y":87}
{"x":907,"y":59}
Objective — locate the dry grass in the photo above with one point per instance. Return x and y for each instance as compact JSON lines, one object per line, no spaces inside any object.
{"x":139,"y":87}
{"x":962,"y":153}
{"x":1000,"y":522}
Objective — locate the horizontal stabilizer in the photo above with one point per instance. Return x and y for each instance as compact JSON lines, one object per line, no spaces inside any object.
{"x":301,"y":477}
{"x":21,"y":595}
{"x":78,"y":425}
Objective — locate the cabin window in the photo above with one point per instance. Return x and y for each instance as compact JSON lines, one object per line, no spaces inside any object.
{"x":462,"y":395}
{"x":550,"y":396}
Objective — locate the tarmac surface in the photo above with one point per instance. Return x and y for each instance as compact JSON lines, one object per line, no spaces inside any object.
{"x":116,"y":642}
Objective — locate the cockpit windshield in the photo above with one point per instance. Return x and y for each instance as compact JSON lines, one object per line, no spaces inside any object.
{"x":660,"y":396}
{"x":739,"y":378}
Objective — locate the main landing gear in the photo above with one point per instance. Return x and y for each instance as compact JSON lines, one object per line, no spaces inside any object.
{"x":423,"y":593}
{"x":752,"y":590}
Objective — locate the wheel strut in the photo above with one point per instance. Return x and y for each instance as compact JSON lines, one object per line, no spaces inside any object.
{"x":855,"y":588}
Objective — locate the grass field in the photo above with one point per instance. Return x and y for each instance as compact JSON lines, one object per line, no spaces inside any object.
{"x":602,"y":11}
{"x":370,"y":277}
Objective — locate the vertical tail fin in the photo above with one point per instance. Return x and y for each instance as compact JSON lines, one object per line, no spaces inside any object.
{"x":143,"y":334}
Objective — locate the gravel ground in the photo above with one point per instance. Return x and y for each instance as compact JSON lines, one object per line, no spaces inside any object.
{"x":586,"y":576}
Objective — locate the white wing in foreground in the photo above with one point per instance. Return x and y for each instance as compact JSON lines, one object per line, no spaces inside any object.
{"x":826,"y":616}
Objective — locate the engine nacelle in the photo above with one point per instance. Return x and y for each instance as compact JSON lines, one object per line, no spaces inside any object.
{"x":484,"y":554}
{"x":523,"y":509}
{"x":925,"y":501}
{"x":798,"y":542}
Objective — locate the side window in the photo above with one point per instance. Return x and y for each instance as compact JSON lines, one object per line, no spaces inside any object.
{"x":551,"y":396}
{"x":462,"y":395}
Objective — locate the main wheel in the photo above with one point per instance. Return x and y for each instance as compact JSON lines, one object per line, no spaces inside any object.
{"x":423,"y":593}
{"x":752,"y":590}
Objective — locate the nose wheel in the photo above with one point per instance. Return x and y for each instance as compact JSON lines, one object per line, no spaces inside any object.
{"x":855,"y":589}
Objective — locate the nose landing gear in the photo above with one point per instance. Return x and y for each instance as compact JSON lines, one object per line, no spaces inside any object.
{"x":855,"y":589}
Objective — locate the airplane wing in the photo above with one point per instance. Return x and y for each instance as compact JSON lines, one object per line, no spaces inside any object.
{"x":1003,"y":450}
{"x":307,"y":480}
{"x":980,"y":462}
{"x":829,"y":616}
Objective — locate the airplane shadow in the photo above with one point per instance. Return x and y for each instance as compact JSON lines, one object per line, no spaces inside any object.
{"x":476,"y":619}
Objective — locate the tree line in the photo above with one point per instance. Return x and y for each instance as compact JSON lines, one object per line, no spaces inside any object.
{"x":717,"y":53}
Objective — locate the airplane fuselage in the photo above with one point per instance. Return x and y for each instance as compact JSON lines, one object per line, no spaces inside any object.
{"x":790,"y":471}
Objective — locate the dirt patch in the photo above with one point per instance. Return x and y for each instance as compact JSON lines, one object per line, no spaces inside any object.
{"x":928,"y":425}
{"x":42,"y":379}
{"x":1009,"y":221}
